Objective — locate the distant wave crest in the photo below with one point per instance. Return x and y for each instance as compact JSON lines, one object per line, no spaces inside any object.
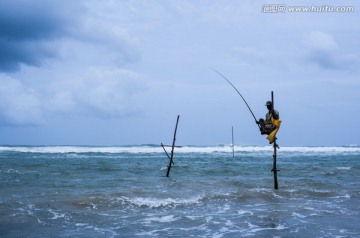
{"x":184,"y":149}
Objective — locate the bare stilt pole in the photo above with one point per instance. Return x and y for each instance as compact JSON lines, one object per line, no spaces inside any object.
{"x":274,"y":169}
{"x":232,"y":141}
{"x":172,"y":148}
{"x":163,"y":146}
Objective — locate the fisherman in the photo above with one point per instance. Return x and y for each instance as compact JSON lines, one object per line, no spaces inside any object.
{"x":267,"y":126}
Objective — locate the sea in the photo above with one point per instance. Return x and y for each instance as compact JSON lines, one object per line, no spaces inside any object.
{"x":123,"y":191}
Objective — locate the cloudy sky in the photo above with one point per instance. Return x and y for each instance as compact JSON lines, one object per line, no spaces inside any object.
{"x":118,"y":72}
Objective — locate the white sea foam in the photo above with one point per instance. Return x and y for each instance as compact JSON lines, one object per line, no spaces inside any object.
{"x":160,"y":202}
{"x":229,"y":223}
{"x":298,"y":215}
{"x":56,"y":215}
{"x":343,"y":168}
{"x":184,"y":149}
{"x":243,"y":212}
{"x":257,"y":228}
{"x":81,"y":224}
{"x":162,"y":219}
{"x":347,"y":196}
{"x":81,"y":149}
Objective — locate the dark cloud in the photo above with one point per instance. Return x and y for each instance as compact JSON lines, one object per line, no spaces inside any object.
{"x":334,"y":60}
{"x":26,"y":28}
{"x":324,"y":60}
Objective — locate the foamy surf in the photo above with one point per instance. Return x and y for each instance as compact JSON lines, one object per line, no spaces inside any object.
{"x":182,"y":150}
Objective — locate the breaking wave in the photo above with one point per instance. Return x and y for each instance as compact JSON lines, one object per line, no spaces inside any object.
{"x":185,"y":149}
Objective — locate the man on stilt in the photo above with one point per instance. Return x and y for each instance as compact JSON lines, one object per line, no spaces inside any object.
{"x":266,"y":126}
{"x":271,"y":124}
{"x":270,"y":127}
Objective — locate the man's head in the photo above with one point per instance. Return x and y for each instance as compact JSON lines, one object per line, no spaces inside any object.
{"x":268,"y":105}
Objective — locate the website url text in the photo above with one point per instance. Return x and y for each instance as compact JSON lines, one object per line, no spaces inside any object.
{"x":283,"y":8}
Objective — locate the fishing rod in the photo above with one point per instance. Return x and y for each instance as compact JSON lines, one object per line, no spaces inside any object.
{"x":239,"y":94}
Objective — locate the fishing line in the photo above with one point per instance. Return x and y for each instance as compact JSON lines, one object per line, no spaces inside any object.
{"x":239,"y":94}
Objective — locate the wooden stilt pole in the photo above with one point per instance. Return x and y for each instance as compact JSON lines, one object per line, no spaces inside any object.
{"x":232,"y":141}
{"x":163,"y":146}
{"x":172,"y":148}
{"x":274,"y":169}
{"x":276,"y":186}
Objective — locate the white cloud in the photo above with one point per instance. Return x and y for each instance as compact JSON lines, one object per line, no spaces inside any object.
{"x":108,"y":92}
{"x":19,"y":105}
{"x":98,"y":92}
{"x":321,"y":41}
{"x":102,"y":92}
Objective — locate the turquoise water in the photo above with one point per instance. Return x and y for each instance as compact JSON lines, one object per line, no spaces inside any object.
{"x":71,"y":191}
